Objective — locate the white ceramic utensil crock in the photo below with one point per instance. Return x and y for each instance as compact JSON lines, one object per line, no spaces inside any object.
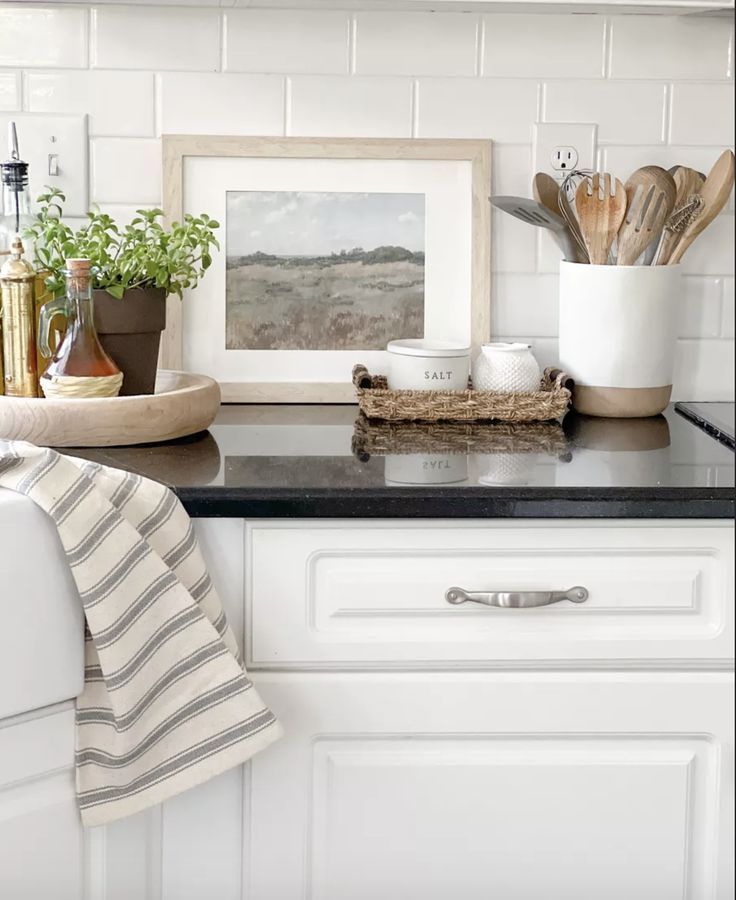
{"x":419,"y":365}
{"x":618,"y":333}
{"x":507,"y":368}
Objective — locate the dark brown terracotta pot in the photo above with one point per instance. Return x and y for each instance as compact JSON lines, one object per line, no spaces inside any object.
{"x":130,"y":331}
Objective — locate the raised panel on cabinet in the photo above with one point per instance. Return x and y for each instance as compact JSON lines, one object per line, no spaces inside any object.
{"x":425,"y":787}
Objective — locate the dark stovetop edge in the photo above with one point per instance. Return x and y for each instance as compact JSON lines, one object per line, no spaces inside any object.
{"x":458,"y":503}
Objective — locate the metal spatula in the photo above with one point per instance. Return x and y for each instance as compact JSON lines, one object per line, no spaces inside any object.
{"x":534,"y":213}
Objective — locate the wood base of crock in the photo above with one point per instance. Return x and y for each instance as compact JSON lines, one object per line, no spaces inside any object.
{"x":620,"y":403}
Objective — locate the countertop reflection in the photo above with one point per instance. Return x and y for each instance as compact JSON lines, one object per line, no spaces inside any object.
{"x":328,"y":461}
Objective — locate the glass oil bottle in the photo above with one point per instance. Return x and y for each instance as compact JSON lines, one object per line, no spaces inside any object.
{"x":79,"y":367}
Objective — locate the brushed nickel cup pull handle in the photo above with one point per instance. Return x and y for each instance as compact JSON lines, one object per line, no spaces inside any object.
{"x":515,"y":599}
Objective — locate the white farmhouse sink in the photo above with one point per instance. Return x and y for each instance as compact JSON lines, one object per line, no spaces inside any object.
{"x":41,"y":620}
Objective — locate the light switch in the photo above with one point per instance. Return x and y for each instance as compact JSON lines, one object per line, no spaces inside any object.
{"x":56,"y":150}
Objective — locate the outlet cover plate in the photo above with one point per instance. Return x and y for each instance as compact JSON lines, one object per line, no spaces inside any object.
{"x":41,"y":136}
{"x":583,"y":136}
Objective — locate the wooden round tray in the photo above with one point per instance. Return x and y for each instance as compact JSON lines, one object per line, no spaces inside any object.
{"x":182,"y":404}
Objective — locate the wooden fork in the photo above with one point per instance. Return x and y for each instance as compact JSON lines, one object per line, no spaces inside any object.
{"x":600,"y":202}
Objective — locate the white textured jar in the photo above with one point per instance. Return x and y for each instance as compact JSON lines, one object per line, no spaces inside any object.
{"x":506,"y":368}
{"x":618,"y":333}
{"x":419,"y":365}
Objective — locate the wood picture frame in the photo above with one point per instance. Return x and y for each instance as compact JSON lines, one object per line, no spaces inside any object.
{"x":177,"y":149}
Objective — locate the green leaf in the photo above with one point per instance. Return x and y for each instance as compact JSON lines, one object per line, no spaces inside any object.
{"x":116,"y":290}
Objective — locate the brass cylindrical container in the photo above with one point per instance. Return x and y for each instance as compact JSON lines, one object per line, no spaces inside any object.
{"x":19,"y":324}
{"x":41,"y":295}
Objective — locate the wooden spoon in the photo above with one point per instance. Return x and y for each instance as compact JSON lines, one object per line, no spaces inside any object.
{"x":547,"y":192}
{"x":715,"y":193}
{"x":601,"y":206}
{"x":689,"y":184}
{"x":650,"y":197}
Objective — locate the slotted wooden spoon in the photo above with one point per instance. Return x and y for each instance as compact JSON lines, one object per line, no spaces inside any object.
{"x":600,"y":202}
{"x":715,"y":192}
{"x":650,"y":198}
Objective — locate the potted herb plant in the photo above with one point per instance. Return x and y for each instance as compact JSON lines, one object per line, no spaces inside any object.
{"x":135,"y":268}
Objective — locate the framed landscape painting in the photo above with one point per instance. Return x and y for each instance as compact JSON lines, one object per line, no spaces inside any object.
{"x":329,"y":250}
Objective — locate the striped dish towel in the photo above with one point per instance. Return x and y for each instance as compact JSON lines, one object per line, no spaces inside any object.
{"x":166,"y":702}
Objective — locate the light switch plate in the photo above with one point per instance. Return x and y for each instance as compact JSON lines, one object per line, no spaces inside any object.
{"x":41,"y":138}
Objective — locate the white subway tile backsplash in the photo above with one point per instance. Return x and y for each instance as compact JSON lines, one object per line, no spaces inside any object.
{"x":43,"y":36}
{"x":514,"y":244}
{"x":9,"y":91}
{"x":702,"y":114}
{"x":502,"y":110}
{"x":157,"y":69}
{"x":545,"y":350}
{"x":205,"y":103}
{"x":704,"y":370}
{"x":712,"y":252}
{"x":138,"y":37}
{"x":624,"y":160}
{"x":543,"y":46}
{"x":727,"y":319}
{"x":118,"y":103}
{"x":126,"y":170}
{"x":633,"y":109}
{"x":511,"y":172}
{"x":276,"y":40}
{"x":700,"y":309}
{"x":671,"y":47}
{"x":526,"y":305}
{"x":408,"y":43}
{"x":334,"y":106}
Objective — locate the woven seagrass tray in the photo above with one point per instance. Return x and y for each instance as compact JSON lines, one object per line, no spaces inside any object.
{"x":380,"y":438}
{"x":376,"y":401}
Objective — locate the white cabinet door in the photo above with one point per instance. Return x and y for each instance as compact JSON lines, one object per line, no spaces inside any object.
{"x":40,"y":830}
{"x":517,"y":786}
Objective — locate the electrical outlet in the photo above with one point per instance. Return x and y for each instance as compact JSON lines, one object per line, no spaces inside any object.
{"x":564,"y":159}
{"x":560,"y":147}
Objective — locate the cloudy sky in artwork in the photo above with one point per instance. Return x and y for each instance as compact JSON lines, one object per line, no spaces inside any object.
{"x":299,"y":223}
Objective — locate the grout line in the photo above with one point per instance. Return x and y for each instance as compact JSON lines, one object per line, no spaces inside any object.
{"x":414,"y":109}
{"x":667,"y":114}
{"x":22,"y":91}
{"x":480,"y":46}
{"x":607,"y":46}
{"x":287,"y":105}
{"x":157,"y":106}
{"x":90,"y":20}
{"x":222,"y":34}
{"x":352,"y":44}
{"x":541,"y":102}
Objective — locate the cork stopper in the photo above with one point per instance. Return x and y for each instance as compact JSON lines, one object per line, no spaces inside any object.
{"x":78,"y":271}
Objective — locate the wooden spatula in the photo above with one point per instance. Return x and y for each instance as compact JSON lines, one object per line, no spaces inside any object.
{"x":600,"y":202}
{"x":715,"y":192}
{"x":650,"y":197}
{"x":689,"y":184}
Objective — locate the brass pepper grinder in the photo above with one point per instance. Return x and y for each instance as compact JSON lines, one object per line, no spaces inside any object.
{"x":17,"y":279}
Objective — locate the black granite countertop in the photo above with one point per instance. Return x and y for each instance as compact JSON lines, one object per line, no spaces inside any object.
{"x":314,"y":461}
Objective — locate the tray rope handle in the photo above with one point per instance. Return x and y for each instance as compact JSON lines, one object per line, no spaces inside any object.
{"x":558,"y":378}
{"x":362,"y":378}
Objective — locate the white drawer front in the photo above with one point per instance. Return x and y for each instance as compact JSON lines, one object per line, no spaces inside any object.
{"x":340,"y":593}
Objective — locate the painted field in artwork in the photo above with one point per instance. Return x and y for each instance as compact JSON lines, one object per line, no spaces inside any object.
{"x":352,"y":291}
